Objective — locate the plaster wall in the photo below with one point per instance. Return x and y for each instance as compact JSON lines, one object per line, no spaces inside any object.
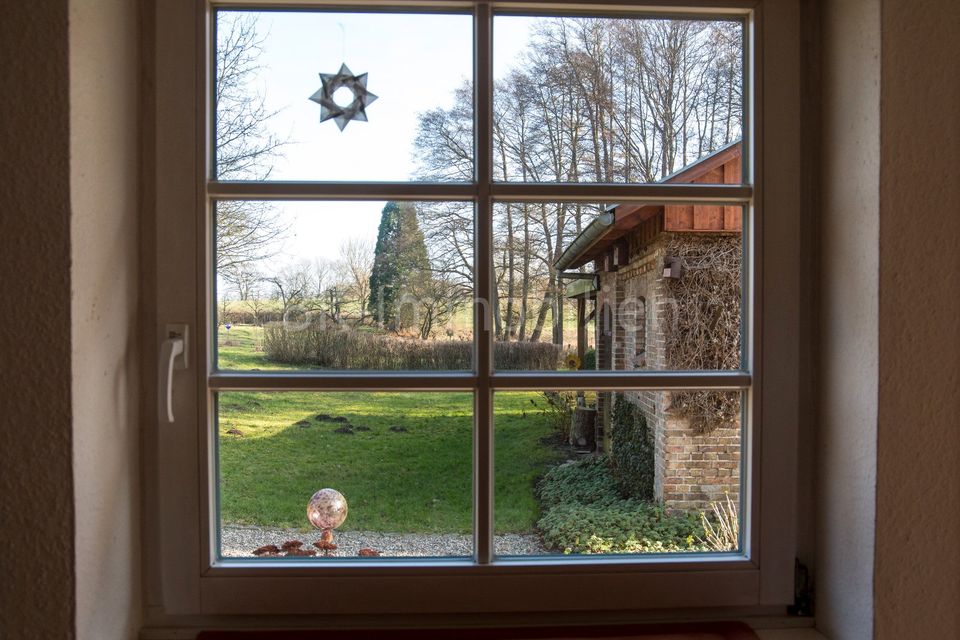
{"x":36,"y":479}
{"x":104,"y":281}
{"x":849,"y":289}
{"x":917,"y":579}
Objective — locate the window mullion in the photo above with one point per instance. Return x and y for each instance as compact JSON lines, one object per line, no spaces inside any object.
{"x":375,"y":191}
{"x":501,"y":191}
{"x":483,"y":266}
{"x":466,"y":381}
{"x":654,"y":193}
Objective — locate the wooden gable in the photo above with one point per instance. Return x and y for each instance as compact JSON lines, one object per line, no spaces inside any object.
{"x":640,"y":224}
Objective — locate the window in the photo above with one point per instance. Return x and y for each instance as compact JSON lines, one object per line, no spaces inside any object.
{"x":487,"y":264}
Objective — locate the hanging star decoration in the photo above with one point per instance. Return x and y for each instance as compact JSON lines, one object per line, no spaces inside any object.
{"x":329,"y":109}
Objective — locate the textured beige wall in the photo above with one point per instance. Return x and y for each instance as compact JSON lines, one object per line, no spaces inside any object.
{"x":888,"y":564}
{"x":849,"y":288}
{"x":917,"y":581}
{"x":36,"y":492}
{"x":104,"y":236}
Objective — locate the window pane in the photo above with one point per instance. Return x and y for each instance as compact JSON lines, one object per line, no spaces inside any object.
{"x":402,"y":462}
{"x":587,"y":99}
{"x":268,"y":109}
{"x":344,"y":285}
{"x":619,"y":287}
{"x":629,"y":472}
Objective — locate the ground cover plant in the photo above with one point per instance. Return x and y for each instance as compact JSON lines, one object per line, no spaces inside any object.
{"x":584,"y":512}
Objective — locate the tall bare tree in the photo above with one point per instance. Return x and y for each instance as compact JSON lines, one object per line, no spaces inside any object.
{"x":245,"y":147}
{"x":353,"y":273}
{"x":591,"y":99}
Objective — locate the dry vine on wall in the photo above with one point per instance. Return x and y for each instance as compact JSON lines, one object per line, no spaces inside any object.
{"x":702,"y":315}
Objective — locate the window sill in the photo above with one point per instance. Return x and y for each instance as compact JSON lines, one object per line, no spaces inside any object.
{"x":767,"y":628}
{"x":790,"y":634}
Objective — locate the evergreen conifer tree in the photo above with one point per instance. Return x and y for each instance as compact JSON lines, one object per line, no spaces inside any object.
{"x":400,"y":267}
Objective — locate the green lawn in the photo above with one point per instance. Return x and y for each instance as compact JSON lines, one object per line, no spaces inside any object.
{"x":241,"y":348}
{"x":406,"y":466}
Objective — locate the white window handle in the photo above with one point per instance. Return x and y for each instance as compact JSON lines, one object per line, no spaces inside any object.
{"x":172,"y":356}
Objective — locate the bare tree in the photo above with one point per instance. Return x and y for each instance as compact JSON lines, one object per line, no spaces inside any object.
{"x":323,"y":272}
{"x":292,"y":285}
{"x":591,"y":99}
{"x":245,"y":147}
{"x":244,"y":277}
{"x":353,"y":273}
{"x":439,"y":297}
{"x":256,"y":303}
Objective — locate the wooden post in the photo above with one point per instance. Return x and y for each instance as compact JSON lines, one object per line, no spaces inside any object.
{"x":581,"y":339}
{"x":583,"y":428}
{"x":581,"y":326}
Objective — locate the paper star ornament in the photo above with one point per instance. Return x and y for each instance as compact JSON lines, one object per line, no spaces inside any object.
{"x":330,"y":110}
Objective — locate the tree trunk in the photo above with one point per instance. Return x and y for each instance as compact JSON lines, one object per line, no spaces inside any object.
{"x":541,"y":318}
{"x":583,"y":428}
{"x":511,"y":327}
{"x":525,"y":276}
{"x":557,"y":307}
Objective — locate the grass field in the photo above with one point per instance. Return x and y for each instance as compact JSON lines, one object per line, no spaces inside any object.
{"x":404,"y":465}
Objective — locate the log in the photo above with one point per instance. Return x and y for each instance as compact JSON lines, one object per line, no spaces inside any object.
{"x":583,"y":427}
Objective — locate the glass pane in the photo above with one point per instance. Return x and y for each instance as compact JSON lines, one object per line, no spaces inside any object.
{"x":616,"y":100}
{"x":618,"y":287}
{"x":632,"y":472}
{"x":400,"y":461}
{"x":392,"y":82}
{"x":344,"y":285}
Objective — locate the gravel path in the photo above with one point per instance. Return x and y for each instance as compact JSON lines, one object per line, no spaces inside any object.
{"x":239,"y":541}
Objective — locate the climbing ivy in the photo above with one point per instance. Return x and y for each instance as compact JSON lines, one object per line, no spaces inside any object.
{"x":632,"y":449}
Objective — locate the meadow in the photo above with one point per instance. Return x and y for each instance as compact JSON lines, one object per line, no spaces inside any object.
{"x":403,"y":460}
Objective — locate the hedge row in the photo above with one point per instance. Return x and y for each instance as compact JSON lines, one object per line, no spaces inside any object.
{"x":335,"y":348}
{"x":244,"y":316}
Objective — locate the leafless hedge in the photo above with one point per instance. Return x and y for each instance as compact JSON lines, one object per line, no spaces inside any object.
{"x":335,"y":348}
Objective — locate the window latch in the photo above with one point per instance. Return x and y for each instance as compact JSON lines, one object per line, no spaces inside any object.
{"x":173,"y":355}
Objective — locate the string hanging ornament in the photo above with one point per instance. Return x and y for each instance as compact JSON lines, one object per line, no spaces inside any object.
{"x":356,"y":109}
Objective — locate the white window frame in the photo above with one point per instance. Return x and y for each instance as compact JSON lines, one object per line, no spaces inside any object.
{"x":183,"y":577}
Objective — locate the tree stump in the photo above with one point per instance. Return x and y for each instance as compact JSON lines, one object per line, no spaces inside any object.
{"x":583,"y":427}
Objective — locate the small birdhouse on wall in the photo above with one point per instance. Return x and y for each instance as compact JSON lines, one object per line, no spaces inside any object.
{"x":672,"y":268}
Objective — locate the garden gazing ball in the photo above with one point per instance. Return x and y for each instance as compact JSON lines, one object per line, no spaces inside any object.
{"x":327,"y":509}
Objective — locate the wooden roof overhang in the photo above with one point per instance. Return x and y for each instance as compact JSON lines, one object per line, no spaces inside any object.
{"x":599,"y":237}
{"x":582,"y":287}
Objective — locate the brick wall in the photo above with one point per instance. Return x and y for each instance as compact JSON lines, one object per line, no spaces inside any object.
{"x":691,"y":469}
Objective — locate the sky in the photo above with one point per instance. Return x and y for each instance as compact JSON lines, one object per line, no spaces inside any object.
{"x":414,"y":62}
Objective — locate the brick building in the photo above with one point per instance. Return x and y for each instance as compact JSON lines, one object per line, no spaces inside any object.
{"x":656,"y":273}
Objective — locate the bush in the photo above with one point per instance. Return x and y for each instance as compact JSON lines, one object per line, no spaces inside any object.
{"x":589,"y":360}
{"x":631,"y":449}
{"x":557,"y":409}
{"x":526,"y":356}
{"x":341,"y":348}
{"x":584,"y":513}
{"x":582,"y":482}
